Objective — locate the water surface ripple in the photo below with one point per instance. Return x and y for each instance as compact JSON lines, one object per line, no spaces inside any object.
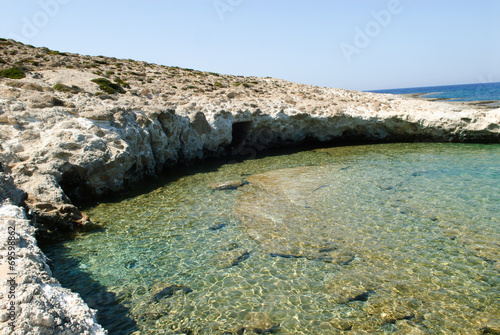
{"x":385,"y":239}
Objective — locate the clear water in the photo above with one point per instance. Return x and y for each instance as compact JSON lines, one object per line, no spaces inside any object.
{"x":378,"y":239}
{"x":469,"y":92}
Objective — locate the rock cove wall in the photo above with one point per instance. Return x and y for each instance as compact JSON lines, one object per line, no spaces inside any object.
{"x":31,"y":300}
{"x":58,"y":154}
{"x":64,"y":137}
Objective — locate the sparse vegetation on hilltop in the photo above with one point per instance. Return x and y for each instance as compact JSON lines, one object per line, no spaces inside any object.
{"x":12,"y":73}
{"x":108,"y":87}
{"x":125,"y":75}
{"x":65,"y":88}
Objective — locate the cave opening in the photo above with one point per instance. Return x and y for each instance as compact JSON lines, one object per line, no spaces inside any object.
{"x":240,"y":133}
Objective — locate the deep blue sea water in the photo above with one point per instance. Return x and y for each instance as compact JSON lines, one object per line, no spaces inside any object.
{"x":468,"y":92}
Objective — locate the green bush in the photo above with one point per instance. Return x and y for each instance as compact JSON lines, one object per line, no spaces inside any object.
{"x":65,"y":88}
{"x":122,"y":82}
{"x":241,"y":84}
{"x":219,"y":84}
{"x":12,"y":73}
{"x":54,"y":52}
{"x":28,"y":61}
{"x":107,"y":86}
{"x":132,"y":73}
{"x":15,"y":84}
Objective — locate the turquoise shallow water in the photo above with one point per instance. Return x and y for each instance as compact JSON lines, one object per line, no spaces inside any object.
{"x":385,"y":239}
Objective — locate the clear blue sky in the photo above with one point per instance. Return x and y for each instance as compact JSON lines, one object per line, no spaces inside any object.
{"x":335,"y":43}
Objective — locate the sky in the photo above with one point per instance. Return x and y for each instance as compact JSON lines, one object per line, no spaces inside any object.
{"x":352,"y":44}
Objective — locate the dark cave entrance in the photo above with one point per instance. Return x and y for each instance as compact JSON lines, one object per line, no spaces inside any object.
{"x":240,"y":133}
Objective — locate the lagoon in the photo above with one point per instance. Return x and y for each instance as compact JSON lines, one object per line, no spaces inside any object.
{"x":387,"y":239}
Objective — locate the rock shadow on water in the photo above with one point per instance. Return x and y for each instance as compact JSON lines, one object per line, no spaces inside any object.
{"x":111,"y":314}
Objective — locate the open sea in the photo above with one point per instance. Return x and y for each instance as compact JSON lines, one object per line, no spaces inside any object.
{"x":468,"y":92}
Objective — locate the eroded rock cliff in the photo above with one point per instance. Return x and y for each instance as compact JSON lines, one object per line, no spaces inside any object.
{"x":65,"y":136}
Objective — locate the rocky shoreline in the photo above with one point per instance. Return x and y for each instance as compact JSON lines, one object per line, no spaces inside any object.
{"x":31,"y":300}
{"x":77,"y":127}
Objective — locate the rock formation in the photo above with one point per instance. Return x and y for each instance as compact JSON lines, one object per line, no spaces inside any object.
{"x":66,"y":137}
{"x":31,"y":300}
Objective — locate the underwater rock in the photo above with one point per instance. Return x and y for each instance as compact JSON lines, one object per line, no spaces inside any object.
{"x":160,"y":291}
{"x":342,"y":324}
{"x":228,"y":185}
{"x":281,"y":210}
{"x":217,"y":226}
{"x":390,"y":311}
{"x":227,"y":259}
{"x":260,"y":323}
{"x":491,"y":327}
{"x":350,"y":295}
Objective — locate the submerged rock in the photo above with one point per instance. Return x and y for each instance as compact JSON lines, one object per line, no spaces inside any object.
{"x":342,"y":324}
{"x":260,"y":323}
{"x":491,"y":327}
{"x":391,"y":310}
{"x":228,"y":185}
{"x":233,"y":257}
{"x":161,"y":291}
{"x":351,"y":294}
{"x":282,"y":210}
{"x":217,"y":226}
